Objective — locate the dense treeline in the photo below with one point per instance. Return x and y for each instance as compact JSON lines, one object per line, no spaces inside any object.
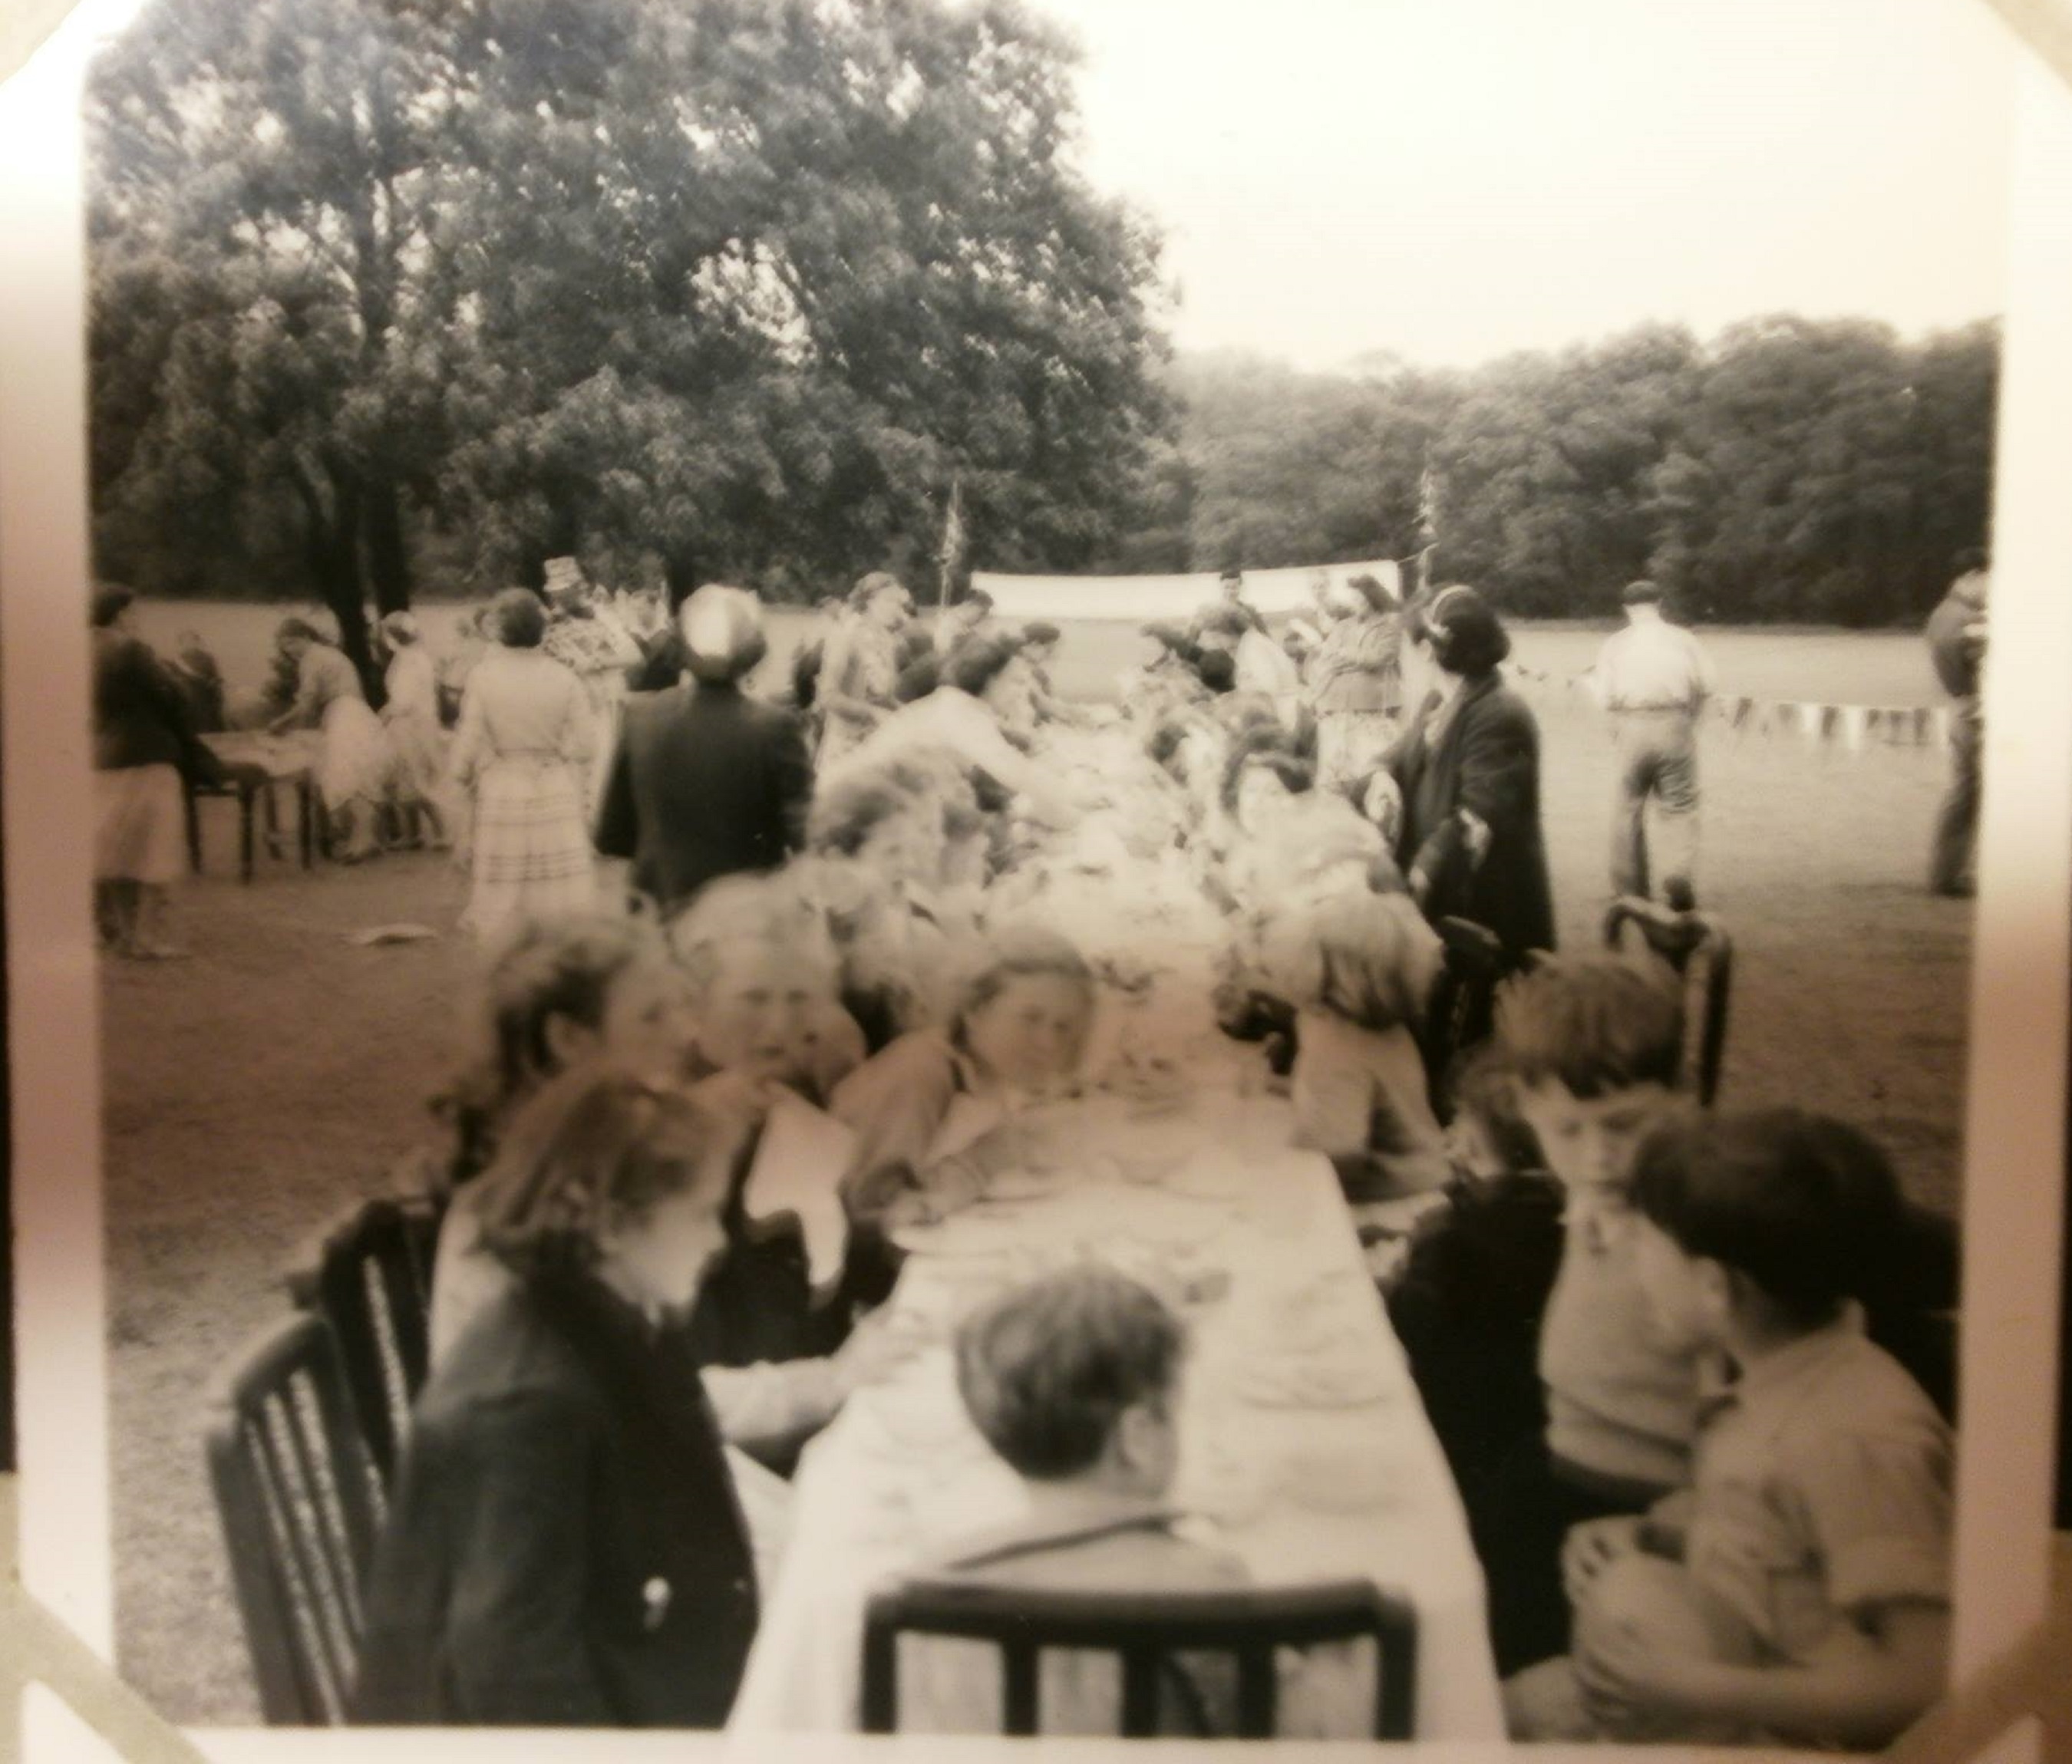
{"x":1792,"y":470}
{"x":410,"y":297}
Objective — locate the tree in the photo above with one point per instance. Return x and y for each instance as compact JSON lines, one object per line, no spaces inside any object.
{"x":737,"y":288}
{"x":260,"y":174}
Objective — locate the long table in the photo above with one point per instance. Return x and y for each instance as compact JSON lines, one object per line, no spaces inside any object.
{"x":1303,"y":1441}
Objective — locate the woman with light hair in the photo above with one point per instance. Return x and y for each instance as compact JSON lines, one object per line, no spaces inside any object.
{"x":411,"y":717}
{"x":356,"y":766}
{"x":859,"y":679}
{"x":1355,"y":682}
{"x":522,"y":750}
{"x":1358,"y":969}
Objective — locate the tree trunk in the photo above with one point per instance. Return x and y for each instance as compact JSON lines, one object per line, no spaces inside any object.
{"x":333,"y":554}
{"x":388,"y":560}
{"x":680,"y":570}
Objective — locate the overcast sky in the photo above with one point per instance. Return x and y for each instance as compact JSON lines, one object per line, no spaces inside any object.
{"x":1454,"y":179}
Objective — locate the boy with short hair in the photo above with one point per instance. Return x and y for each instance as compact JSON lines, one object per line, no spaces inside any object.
{"x":1074,"y":1379}
{"x":1799,"y":1591}
{"x":1592,"y":1044}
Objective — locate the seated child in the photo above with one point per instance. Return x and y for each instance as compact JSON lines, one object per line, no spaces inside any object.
{"x":1592,"y":1042}
{"x":1798,"y":1592}
{"x":1357,"y":968}
{"x":1074,"y":1380}
{"x":1467,"y":1295}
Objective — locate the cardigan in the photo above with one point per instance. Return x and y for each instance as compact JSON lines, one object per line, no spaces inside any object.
{"x":564,"y":1546}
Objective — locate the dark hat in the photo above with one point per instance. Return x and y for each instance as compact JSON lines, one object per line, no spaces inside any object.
{"x":1640,"y":594}
{"x":1373,"y":590}
{"x":1466,"y":636}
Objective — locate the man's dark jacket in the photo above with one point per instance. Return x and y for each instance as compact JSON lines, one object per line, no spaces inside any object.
{"x":564,"y":1547}
{"x":1486,"y":760}
{"x":707,"y":782}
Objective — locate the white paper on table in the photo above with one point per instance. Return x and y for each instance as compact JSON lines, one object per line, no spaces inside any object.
{"x":799,"y":1163}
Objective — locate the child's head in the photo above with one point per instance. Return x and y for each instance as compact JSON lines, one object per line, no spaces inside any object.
{"x":602,"y":1172}
{"x":1592,"y":1043}
{"x":761,"y":974}
{"x":565,"y":989}
{"x":1075,"y":1376}
{"x":1026,"y":1011}
{"x":1489,"y":1134}
{"x":1766,"y":1220}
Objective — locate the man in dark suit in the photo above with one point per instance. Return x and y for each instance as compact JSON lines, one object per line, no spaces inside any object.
{"x":707,"y":782}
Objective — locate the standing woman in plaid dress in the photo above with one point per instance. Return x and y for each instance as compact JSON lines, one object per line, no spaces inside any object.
{"x":522,"y":752}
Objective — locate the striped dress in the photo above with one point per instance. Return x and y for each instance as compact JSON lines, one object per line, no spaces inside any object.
{"x":526,"y":741}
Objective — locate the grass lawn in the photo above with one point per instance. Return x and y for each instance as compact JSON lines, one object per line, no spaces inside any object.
{"x":254,"y":1089}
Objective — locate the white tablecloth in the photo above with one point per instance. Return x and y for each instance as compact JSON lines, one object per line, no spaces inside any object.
{"x":1302,"y":1438}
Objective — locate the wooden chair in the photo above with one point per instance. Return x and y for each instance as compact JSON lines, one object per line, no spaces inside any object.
{"x":370,"y":1277}
{"x":1702,"y":955}
{"x":1463,"y":1001}
{"x":1146,"y":1630}
{"x":298,"y":1502}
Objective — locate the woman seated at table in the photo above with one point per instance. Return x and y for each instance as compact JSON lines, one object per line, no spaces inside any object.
{"x":355,"y":772}
{"x":1358,"y":970}
{"x":564,"y":1546}
{"x":1018,"y":1034}
{"x":969,"y":714}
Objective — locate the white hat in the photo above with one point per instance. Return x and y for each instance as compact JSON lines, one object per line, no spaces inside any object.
{"x":722,"y":630}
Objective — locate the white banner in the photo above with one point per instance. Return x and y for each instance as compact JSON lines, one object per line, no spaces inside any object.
{"x":1138,"y":599}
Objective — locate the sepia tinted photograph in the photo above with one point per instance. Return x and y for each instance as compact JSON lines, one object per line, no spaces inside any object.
{"x":1037,"y":867}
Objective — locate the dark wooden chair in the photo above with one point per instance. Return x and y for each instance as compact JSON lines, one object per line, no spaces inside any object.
{"x":1146,"y":1630}
{"x":1462,"y":1005}
{"x":1697,"y":947}
{"x":369,"y":1277}
{"x":299,"y":1506}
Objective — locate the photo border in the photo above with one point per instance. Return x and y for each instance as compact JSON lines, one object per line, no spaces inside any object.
{"x":2015,"y":1121}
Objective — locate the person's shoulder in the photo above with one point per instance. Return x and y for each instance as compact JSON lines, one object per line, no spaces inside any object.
{"x":1861,"y":1408}
{"x":508,"y":1368}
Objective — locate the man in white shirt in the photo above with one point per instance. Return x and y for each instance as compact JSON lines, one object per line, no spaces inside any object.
{"x":1654,"y":678}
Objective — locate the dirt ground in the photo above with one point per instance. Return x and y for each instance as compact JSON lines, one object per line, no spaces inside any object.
{"x":256,"y":1088}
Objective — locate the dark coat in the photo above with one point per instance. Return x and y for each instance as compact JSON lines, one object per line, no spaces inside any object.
{"x":1486,"y":761}
{"x":141,"y":716}
{"x":707,"y":782}
{"x":564,"y":1547}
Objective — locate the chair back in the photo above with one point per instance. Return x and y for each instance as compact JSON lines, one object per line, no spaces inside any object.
{"x":1463,"y":1003}
{"x":369,"y":1275}
{"x":1697,"y":947}
{"x":1146,"y":1630}
{"x":299,"y":1506}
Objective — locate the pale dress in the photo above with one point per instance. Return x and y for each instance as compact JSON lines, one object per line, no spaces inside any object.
{"x":356,"y":765}
{"x":860,"y":662}
{"x":412,"y":719}
{"x":1355,"y":685}
{"x":526,"y":738}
